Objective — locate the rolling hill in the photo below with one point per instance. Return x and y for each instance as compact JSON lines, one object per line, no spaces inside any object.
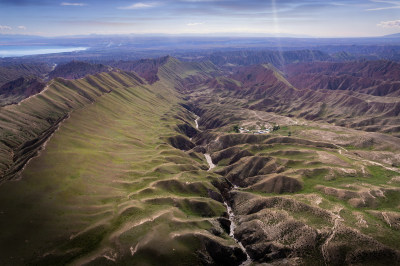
{"x":195,"y":163}
{"x":269,"y":90}
{"x":117,"y":189}
{"x":310,"y":192}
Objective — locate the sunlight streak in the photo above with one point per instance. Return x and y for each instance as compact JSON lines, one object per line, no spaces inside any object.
{"x":277,"y":31}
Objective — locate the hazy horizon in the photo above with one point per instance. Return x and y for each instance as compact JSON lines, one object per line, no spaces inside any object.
{"x":212,"y":35}
{"x":310,"y":18}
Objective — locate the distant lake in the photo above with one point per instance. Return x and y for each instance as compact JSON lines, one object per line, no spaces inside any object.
{"x":9,"y":51}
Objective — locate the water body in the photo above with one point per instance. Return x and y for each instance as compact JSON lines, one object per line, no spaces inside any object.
{"x":12,"y":51}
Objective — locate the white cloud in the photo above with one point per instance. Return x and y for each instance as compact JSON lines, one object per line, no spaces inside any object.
{"x":195,"y":24}
{"x":3,"y":27}
{"x":73,"y":4}
{"x":393,"y":5}
{"x":21,"y":27}
{"x":139,"y":6}
{"x":383,"y":8}
{"x":390,"y":24}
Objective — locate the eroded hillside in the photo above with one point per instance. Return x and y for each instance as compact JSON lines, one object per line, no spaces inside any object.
{"x":265,"y":88}
{"x":309,"y":192}
{"x":110,"y":169}
{"x":109,"y":186}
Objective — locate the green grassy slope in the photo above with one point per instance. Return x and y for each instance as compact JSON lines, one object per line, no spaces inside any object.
{"x":108,"y":187}
{"x":26,"y":126}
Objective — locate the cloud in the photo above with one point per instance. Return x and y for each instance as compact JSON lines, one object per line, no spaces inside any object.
{"x":393,"y":5}
{"x":383,"y":8}
{"x":21,"y":27}
{"x":139,"y":6}
{"x":390,"y":24}
{"x":195,"y":24}
{"x":72,"y":4}
{"x":3,"y":27}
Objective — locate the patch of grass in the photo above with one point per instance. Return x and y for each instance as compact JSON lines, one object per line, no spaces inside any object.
{"x":376,"y":227}
{"x":379,"y":175}
{"x":105,"y":157}
{"x":391,"y":201}
{"x":311,"y":219}
{"x":352,"y":148}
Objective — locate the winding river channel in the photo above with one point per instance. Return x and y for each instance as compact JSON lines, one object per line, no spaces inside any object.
{"x":228,"y":208}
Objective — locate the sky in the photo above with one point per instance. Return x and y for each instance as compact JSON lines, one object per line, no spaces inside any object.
{"x":314,"y":18}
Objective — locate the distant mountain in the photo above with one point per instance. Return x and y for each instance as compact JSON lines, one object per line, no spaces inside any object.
{"x":146,"y":68}
{"x":277,"y":58}
{"x":9,"y":72}
{"x":77,"y":69}
{"x":379,"y":78}
{"x":19,"y":89}
{"x":258,"y":79}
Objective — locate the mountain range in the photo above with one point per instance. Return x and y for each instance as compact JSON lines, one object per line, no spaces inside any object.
{"x":219,"y":158}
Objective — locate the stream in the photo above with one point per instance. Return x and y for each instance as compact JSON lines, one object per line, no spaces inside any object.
{"x":231,"y":217}
{"x":228,"y":209}
{"x":209,"y":161}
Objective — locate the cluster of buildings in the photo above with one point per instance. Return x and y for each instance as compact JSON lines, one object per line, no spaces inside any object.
{"x":244,"y":130}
